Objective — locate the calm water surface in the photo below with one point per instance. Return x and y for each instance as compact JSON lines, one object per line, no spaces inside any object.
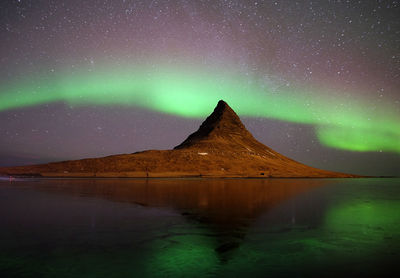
{"x":200,"y":228}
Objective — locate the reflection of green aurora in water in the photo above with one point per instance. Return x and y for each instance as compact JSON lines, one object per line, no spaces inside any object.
{"x":339,"y":123}
{"x":370,"y":222}
{"x":183,"y":256}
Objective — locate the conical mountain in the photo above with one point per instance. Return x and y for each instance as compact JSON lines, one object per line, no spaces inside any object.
{"x":222,"y":123}
{"x":221,"y":147}
{"x":224,"y":133}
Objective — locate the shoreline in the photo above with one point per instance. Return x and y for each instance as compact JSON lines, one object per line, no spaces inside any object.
{"x":178,"y":177}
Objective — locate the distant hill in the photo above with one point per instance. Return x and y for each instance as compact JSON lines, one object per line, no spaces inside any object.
{"x":221,"y":147}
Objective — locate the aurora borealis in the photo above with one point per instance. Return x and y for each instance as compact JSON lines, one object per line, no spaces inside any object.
{"x":326,"y":71}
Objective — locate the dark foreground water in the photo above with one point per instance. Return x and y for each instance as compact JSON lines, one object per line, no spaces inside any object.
{"x":200,"y":228}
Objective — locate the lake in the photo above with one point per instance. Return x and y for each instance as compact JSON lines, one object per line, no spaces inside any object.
{"x":199,"y":227}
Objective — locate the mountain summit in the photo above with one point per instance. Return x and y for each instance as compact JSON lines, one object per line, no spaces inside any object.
{"x":221,"y":147}
{"x":222,"y":123}
{"x":223,"y":133}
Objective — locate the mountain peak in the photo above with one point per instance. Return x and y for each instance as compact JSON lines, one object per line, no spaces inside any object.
{"x":221,"y":105}
{"x":222,"y":122}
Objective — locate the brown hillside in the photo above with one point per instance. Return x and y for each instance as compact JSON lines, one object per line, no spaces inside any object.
{"x":221,"y":147}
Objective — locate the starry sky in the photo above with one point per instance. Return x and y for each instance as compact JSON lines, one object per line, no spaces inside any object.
{"x":317,"y":81}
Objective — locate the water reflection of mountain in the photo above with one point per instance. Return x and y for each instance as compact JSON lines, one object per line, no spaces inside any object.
{"x":221,"y":201}
{"x":226,"y":207}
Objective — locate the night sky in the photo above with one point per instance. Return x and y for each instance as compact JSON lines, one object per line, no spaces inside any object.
{"x":318,"y":81}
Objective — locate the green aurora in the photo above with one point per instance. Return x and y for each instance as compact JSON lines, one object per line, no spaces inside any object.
{"x":339,"y":122}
